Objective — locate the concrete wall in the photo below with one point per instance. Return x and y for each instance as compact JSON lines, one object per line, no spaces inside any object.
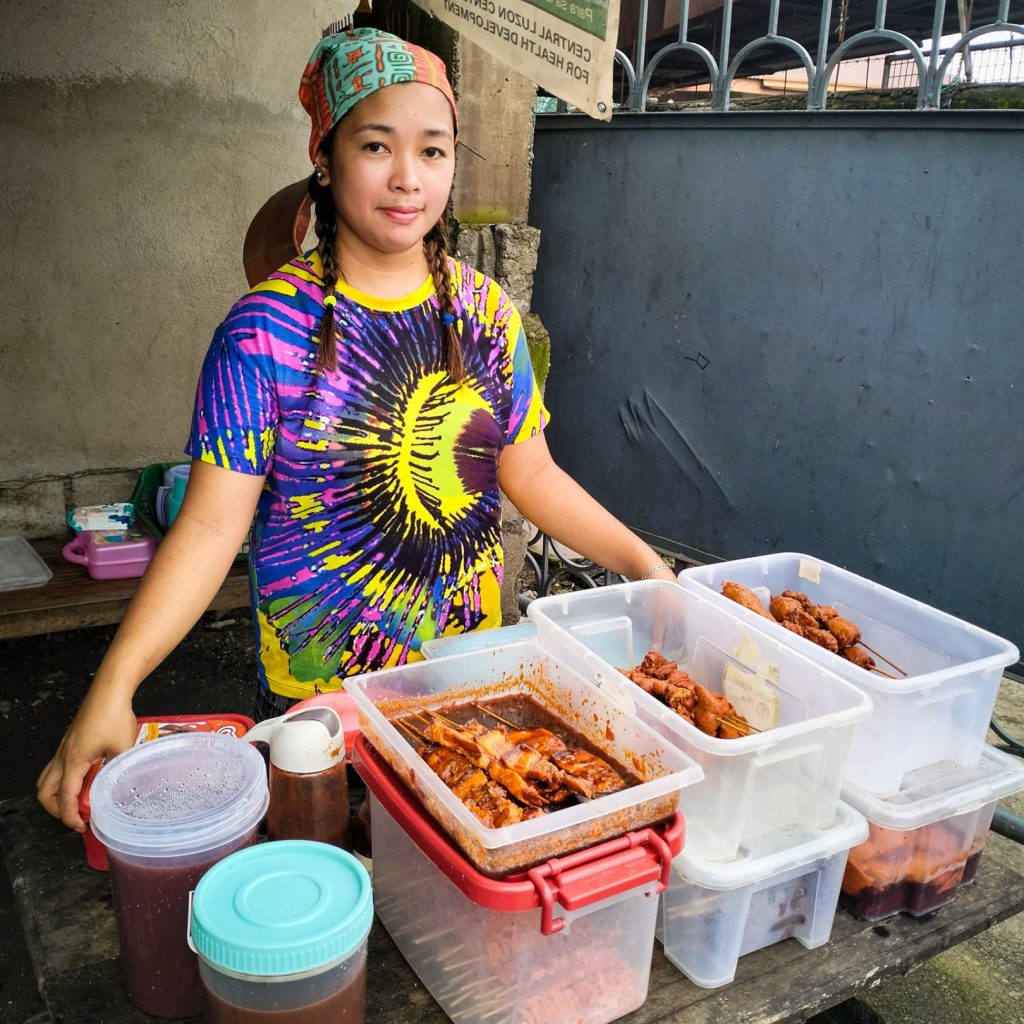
{"x":492,"y":181}
{"x":138,"y":141}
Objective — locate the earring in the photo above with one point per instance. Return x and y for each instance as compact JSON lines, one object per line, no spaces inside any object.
{"x":320,"y":175}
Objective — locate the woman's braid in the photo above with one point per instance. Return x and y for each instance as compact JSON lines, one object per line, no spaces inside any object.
{"x":325,"y":225}
{"x":435,"y":248}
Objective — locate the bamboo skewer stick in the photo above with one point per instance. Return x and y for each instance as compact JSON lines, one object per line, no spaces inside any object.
{"x":736,"y":723}
{"x":884,"y":658}
{"x":495,"y":716}
{"x":414,"y":733}
{"x":882,"y":672}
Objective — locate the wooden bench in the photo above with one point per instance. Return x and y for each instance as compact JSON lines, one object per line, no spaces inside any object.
{"x":72,"y":599}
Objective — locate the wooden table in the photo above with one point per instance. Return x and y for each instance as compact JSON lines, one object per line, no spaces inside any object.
{"x":72,"y":599}
{"x":65,"y":909}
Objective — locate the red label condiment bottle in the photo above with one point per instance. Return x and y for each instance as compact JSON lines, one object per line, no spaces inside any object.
{"x":308,"y":783}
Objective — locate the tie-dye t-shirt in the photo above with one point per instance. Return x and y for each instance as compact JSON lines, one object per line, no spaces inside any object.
{"x":379,"y":525}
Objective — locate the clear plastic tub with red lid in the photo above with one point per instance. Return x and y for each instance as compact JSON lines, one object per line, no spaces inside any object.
{"x":569,"y":940}
{"x":523,"y":670}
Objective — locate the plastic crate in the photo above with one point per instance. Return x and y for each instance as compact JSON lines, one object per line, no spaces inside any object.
{"x":144,"y":499}
{"x":522,"y":668}
{"x":940,"y":712}
{"x":784,"y":886}
{"x":144,"y":496}
{"x":791,"y":772}
{"x":501,"y":950}
{"x":926,"y":841}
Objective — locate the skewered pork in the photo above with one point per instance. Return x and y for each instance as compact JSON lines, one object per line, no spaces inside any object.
{"x":821,"y":637}
{"x":708,"y":711}
{"x":601,"y":776}
{"x":485,"y":798}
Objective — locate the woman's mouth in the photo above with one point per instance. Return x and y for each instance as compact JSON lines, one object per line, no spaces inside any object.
{"x":401,"y":214}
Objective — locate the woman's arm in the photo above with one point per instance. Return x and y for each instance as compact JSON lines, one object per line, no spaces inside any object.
{"x":188,"y":568}
{"x":556,"y":504}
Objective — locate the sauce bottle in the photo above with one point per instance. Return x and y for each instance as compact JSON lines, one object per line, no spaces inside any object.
{"x":308,"y":781}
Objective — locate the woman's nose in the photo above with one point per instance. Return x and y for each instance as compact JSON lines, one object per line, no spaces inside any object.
{"x":404,"y":174}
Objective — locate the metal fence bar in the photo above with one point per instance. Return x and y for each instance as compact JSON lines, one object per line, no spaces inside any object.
{"x":833,"y":47}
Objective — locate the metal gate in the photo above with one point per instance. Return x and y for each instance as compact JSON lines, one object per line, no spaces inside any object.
{"x":796,"y":331}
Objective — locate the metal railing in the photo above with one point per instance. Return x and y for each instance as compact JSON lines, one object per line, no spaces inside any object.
{"x":721,"y":69}
{"x":988,"y":63}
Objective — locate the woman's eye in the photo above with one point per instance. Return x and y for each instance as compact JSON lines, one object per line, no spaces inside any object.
{"x":374,"y":147}
{"x":433,"y":153}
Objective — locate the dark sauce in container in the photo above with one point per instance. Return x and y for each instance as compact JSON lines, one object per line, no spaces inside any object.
{"x":161,"y":975}
{"x":346,"y":1005}
{"x":312,"y":806}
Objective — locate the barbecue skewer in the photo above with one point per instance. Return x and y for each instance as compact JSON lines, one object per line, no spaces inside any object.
{"x":494,"y":715}
{"x":877,"y":654}
{"x":738,"y":724}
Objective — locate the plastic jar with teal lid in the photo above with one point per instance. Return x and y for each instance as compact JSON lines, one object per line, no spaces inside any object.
{"x":281,"y":932}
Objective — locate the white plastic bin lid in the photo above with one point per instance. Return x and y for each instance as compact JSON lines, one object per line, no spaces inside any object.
{"x":20,"y":566}
{"x":776,"y":852}
{"x":941,"y":790}
{"x":478,"y":640}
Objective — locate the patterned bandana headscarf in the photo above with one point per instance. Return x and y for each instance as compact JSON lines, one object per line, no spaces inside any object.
{"x":347,"y":67}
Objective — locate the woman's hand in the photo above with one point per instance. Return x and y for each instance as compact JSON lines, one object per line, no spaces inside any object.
{"x":101,"y":729}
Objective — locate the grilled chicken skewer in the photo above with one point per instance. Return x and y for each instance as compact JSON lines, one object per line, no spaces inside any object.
{"x":744,"y":596}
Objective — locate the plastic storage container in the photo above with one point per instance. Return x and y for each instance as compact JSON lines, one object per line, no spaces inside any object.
{"x":111,"y":556}
{"x":570,"y":941}
{"x":281,"y":933}
{"x":152,"y":728}
{"x":784,"y":885}
{"x":21,"y":568}
{"x":940,"y":712}
{"x":791,"y":772}
{"x":523,"y":669}
{"x":925,"y":842}
{"x":166,"y":812}
{"x":477,"y":640}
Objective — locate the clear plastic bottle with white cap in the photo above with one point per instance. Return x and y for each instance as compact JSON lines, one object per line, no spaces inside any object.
{"x":308,"y":781}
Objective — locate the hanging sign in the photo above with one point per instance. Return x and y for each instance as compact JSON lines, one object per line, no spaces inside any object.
{"x":566,"y":46}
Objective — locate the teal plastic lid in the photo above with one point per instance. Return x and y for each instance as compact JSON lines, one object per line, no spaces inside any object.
{"x":280,"y":908}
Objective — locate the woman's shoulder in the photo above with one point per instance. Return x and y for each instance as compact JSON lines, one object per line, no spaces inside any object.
{"x":282,"y":306}
{"x":297,"y":284}
{"x":479,"y":294}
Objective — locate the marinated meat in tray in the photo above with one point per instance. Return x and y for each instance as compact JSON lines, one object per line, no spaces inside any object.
{"x":819,"y":623}
{"x":505,"y":773}
{"x":913,"y":871}
{"x":710,"y":712}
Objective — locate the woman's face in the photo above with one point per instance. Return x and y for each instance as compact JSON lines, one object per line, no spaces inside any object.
{"x":391,"y":166}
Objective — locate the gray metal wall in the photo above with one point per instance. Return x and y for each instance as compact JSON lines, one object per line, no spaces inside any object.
{"x":796,"y":332}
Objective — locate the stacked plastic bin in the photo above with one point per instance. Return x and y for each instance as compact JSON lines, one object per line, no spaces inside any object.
{"x":919,"y":768}
{"x":767,"y":836}
{"x":493,"y":920}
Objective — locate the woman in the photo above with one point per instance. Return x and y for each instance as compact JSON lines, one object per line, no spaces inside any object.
{"x":365,"y":402}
